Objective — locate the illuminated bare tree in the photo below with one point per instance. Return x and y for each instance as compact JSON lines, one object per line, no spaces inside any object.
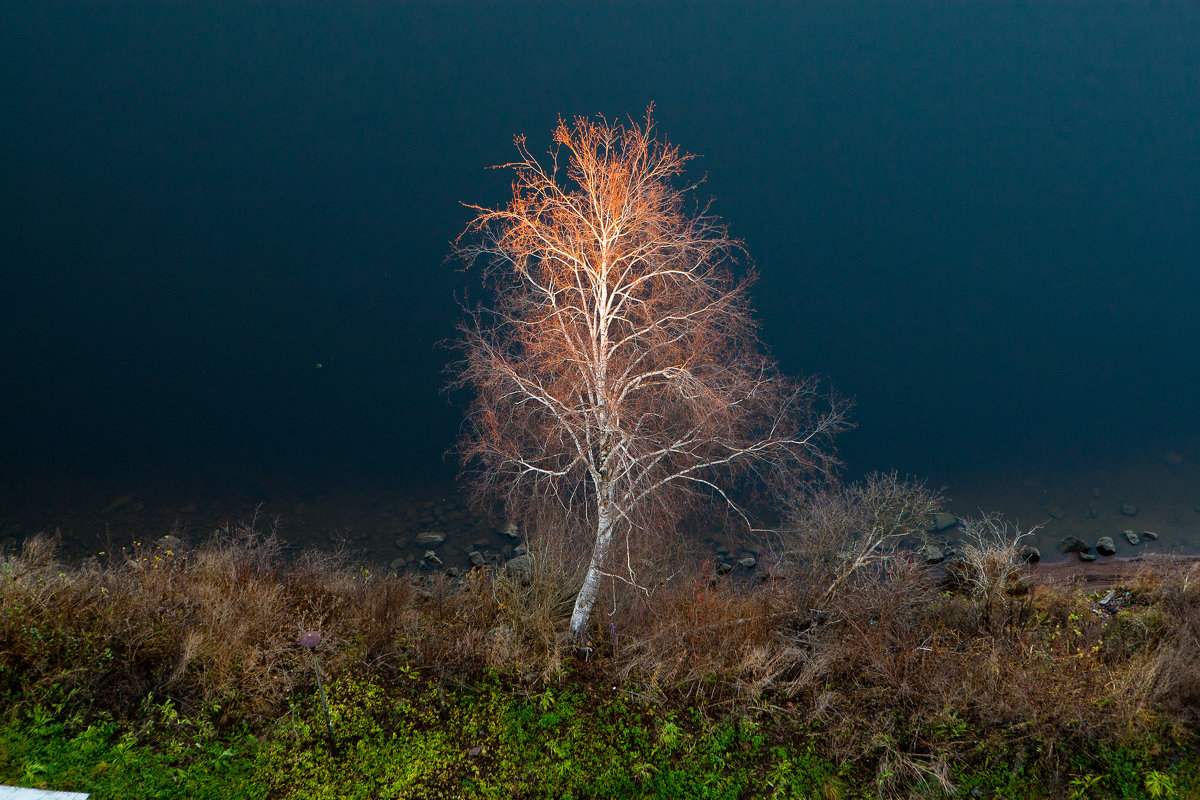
{"x":618,"y":373}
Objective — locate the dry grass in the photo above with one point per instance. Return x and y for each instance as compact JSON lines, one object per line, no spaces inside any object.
{"x":886,"y":656}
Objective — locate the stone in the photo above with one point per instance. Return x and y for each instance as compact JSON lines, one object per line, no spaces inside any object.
{"x":119,"y":502}
{"x":749,"y":562}
{"x":1129,"y":509}
{"x":1092,"y":512}
{"x":724,"y":568}
{"x":1057,"y":512}
{"x":954,"y":553}
{"x":476,"y":558}
{"x":452,"y":573}
{"x":430,"y":537}
{"x":1130,"y":537}
{"x":1096,"y":492}
{"x":1087,"y":556}
{"x":942,"y":520}
{"x":510,"y":530}
{"x":1151,"y":535}
{"x":1073,"y":544}
{"x":1030,"y":554}
{"x":398,"y":563}
{"x":520,"y":550}
{"x":1105,"y":546}
{"x":1019,"y":586}
{"x":520,"y":567}
{"x":431,"y":558}
{"x":931,"y":554}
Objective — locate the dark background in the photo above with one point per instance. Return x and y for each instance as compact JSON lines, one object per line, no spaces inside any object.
{"x":979,"y":219}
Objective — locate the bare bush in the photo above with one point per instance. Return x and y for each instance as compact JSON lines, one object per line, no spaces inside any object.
{"x":991,"y":564}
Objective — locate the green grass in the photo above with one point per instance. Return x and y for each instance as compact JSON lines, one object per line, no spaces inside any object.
{"x":413,"y":737}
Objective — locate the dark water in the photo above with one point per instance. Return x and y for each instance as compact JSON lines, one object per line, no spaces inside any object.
{"x":224,"y":226}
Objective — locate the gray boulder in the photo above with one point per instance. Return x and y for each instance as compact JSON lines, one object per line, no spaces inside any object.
{"x":1105,"y":546}
{"x":942,"y":520}
{"x":1073,"y":544}
{"x":931,"y":554}
{"x":520,"y":568}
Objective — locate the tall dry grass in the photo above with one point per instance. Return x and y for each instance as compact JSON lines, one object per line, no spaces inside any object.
{"x":840,"y":628}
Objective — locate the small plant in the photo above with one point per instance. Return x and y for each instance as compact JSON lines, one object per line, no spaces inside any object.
{"x":1082,"y":785}
{"x":1159,"y":784}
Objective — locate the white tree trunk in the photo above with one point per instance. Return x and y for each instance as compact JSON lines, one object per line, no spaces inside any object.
{"x":591,"y":582}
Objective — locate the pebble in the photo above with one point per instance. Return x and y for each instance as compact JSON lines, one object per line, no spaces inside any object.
{"x":1130,"y":537}
{"x":432,"y":559}
{"x":1151,"y":535}
{"x":1105,"y":546}
{"x":1129,"y":509}
{"x":749,"y":562}
{"x":430,"y":537}
{"x":1085,"y":556}
{"x":1057,"y":512}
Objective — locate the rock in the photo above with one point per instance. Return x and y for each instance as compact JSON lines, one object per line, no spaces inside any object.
{"x":931,"y":554}
{"x":431,"y":558}
{"x":475,"y":751}
{"x":1105,"y":546}
{"x":1151,"y":535}
{"x":520,"y":550}
{"x":452,"y":573}
{"x":430,"y":537}
{"x":171,"y":543}
{"x":1019,"y":586}
{"x":954,"y":553}
{"x":398,"y":563}
{"x":1030,"y":553}
{"x":476,"y":558}
{"x":120,"y":502}
{"x":1057,"y":512}
{"x":942,"y":520}
{"x":1092,"y":512}
{"x":1073,"y":544}
{"x":1173,"y":458}
{"x":1129,"y":509}
{"x":190,"y":508}
{"x":510,"y":530}
{"x":724,"y":567}
{"x":749,"y":562}
{"x":1087,"y":556}
{"x":1096,"y":492}
{"x":520,"y":567}
{"x":1130,"y":537}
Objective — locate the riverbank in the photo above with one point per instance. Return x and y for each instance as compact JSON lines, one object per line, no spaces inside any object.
{"x":181,"y":669}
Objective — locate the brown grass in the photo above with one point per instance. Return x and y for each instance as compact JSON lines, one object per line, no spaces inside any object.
{"x":886,"y":656}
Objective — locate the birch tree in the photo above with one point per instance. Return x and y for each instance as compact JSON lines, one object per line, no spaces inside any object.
{"x":617,"y":373}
